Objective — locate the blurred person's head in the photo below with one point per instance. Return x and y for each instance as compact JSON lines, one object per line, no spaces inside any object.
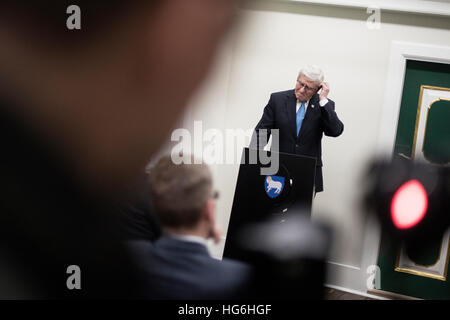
{"x":106,"y":96}
{"x":183,"y":198}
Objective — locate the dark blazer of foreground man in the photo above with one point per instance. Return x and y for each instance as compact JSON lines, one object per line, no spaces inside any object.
{"x":80,"y":118}
{"x":320,"y":118}
{"x":179,"y":268}
{"x":178,"y":265}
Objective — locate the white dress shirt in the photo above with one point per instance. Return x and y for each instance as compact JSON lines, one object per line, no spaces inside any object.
{"x":299,"y":104}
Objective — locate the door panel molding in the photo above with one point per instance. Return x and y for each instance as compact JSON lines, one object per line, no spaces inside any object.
{"x":438,"y":270}
{"x":428,"y":96}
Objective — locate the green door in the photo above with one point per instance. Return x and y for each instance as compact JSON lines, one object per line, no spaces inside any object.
{"x":423,"y":133}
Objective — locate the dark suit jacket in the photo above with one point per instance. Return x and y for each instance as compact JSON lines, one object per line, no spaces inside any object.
{"x":136,"y":216}
{"x":280,"y":114}
{"x":177,"y":269}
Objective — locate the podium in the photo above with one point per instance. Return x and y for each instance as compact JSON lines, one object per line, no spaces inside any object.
{"x":271,"y":230}
{"x":280,"y":196}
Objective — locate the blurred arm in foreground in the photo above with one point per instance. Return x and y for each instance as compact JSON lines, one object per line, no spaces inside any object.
{"x":81,"y":113}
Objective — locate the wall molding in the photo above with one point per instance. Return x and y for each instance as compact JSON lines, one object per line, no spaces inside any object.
{"x":371,"y":295}
{"x":404,"y":6}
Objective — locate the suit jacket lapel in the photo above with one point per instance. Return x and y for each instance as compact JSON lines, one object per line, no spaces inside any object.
{"x":313,"y":104}
{"x":291,"y":103}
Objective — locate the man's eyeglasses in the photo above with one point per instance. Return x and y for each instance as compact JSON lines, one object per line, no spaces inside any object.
{"x":302,"y":85}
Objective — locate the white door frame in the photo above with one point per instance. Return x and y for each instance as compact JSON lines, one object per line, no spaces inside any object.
{"x":354,"y":278}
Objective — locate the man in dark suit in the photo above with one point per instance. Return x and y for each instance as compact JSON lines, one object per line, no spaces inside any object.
{"x":302,"y":116}
{"x":178,"y":265}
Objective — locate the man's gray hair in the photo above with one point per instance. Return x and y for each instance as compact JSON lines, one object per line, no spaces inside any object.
{"x":313,"y":73}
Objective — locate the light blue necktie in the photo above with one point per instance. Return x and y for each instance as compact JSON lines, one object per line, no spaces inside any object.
{"x":300,"y":117}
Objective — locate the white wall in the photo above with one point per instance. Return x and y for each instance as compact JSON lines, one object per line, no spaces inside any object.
{"x":264,"y":53}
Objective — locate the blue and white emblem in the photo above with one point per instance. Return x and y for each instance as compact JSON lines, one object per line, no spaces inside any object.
{"x":273,"y":186}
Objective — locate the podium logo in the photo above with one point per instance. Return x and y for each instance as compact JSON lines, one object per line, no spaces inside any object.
{"x":274,"y":186}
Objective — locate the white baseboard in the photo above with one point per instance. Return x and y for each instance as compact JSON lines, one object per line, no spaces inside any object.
{"x":360,"y":293}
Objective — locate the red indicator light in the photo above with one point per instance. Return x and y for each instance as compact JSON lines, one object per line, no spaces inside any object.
{"x":409,"y":205}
